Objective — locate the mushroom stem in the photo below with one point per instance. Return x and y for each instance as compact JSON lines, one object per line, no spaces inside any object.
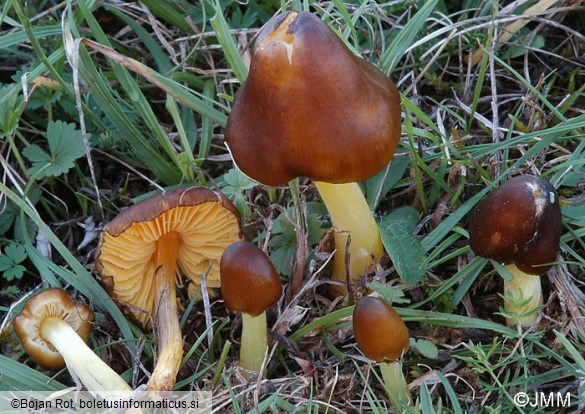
{"x":254,"y":342}
{"x":522,"y":297}
{"x":396,"y":384}
{"x":351,"y":215}
{"x":170,"y":340}
{"x":83,"y":364}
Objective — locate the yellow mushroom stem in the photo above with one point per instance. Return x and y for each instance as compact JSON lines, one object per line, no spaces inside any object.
{"x":83,"y":364}
{"x":396,"y":384}
{"x":351,"y":215}
{"x":254,"y":342}
{"x":170,"y":339}
{"x":522,"y":297}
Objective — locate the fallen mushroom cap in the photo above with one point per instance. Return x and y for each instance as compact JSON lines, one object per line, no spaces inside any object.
{"x":249,"y":281}
{"x":379,"y":331}
{"x":310,"y":107}
{"x":49,"y":303}
{"x":206,"y":223}
{"x":519,"y":222}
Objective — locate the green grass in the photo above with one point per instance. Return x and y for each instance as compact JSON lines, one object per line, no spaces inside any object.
{"x":155,"y":85}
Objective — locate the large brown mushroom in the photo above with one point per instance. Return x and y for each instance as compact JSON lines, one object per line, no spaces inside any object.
{"x":147,"y":246}
{"x":310,"y":107}
{"x":54,"y":330}
{"x":250,"y":284}
{"x":519,"y":224}
{"x":383,"y":337}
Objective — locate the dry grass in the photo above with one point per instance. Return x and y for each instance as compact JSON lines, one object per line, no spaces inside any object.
{"x":487,"y":94}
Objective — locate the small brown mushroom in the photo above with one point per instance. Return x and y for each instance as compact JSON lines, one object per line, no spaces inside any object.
{"x":54,"y":330}
{"x":145,"y":248}
{"x":519,"y":224}
{"x":311,"y":108}
{"x":250,"y":284}
{"x":383,"y":337}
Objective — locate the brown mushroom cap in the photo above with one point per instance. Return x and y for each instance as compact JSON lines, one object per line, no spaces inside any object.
{"x":379,"y":331}
{"x":249,"y":281}
{"x":49,"y":303}
{"x":205,"y":221}
{"x":519,"y":222}
{"x":310,"y":107}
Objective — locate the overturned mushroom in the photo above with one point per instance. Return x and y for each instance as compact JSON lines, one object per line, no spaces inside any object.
{"x":147,"y":246}
{"x":54,"y":330}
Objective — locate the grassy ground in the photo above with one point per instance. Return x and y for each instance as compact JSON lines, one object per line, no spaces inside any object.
{"x":490,"y":90}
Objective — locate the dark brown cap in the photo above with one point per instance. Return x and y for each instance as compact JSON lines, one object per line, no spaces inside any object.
{"x":379,"y":331}
{"x":50,"y":303}
{"x":206,"y":223}
{"x":519,"y":222}
{"x":311,"y":108}
{"x":249,"y":281}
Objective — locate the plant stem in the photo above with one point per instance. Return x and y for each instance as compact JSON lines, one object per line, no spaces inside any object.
{"x":170,"y":340}
{"x":396,"y":384}
{"x":522,"y":295}
{"x":83,"y":364}
{"x":351,"y":215}
{"x":254,"y":342}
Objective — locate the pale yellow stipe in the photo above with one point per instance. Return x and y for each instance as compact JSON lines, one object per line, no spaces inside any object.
{"x":350,"y":214}
{"x":254,"y":343}
{"x":396,"y":384}
{"x":83,"y":364}
{"x":522,"y":287}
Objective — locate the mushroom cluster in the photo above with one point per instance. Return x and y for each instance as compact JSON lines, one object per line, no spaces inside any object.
{"x":311,"y":108}
{"x":143,"y":251}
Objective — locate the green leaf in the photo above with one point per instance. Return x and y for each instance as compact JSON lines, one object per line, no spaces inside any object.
{"x":37,"y":156}
{"x":10,"y":108}
{"x":14,"y":254}
{"x":7,"y":216}
{"x":5,"y":263}
{"x":284,"y":239}
{"x":65,"y":146}
{"x":15,"y":272}
{"x":425,"y":348}
{"x":388,"y":293}
{"x":233,"y":186}
{"x":379,"y":185}
{"x":238,"y":181}
{"x":282,"y":257}
{"x":406,"y":252}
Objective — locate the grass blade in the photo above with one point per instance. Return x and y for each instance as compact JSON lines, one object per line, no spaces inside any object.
{"x":402,"y":41}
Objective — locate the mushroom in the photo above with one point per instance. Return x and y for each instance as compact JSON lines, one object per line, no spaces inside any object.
{"x":310,"y":107}
{"x":54,"y":330}
{"x":249,"y":284}
{"x":147,"y":246}
{"x":383,"y":337}
{"x":519,"y":224}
